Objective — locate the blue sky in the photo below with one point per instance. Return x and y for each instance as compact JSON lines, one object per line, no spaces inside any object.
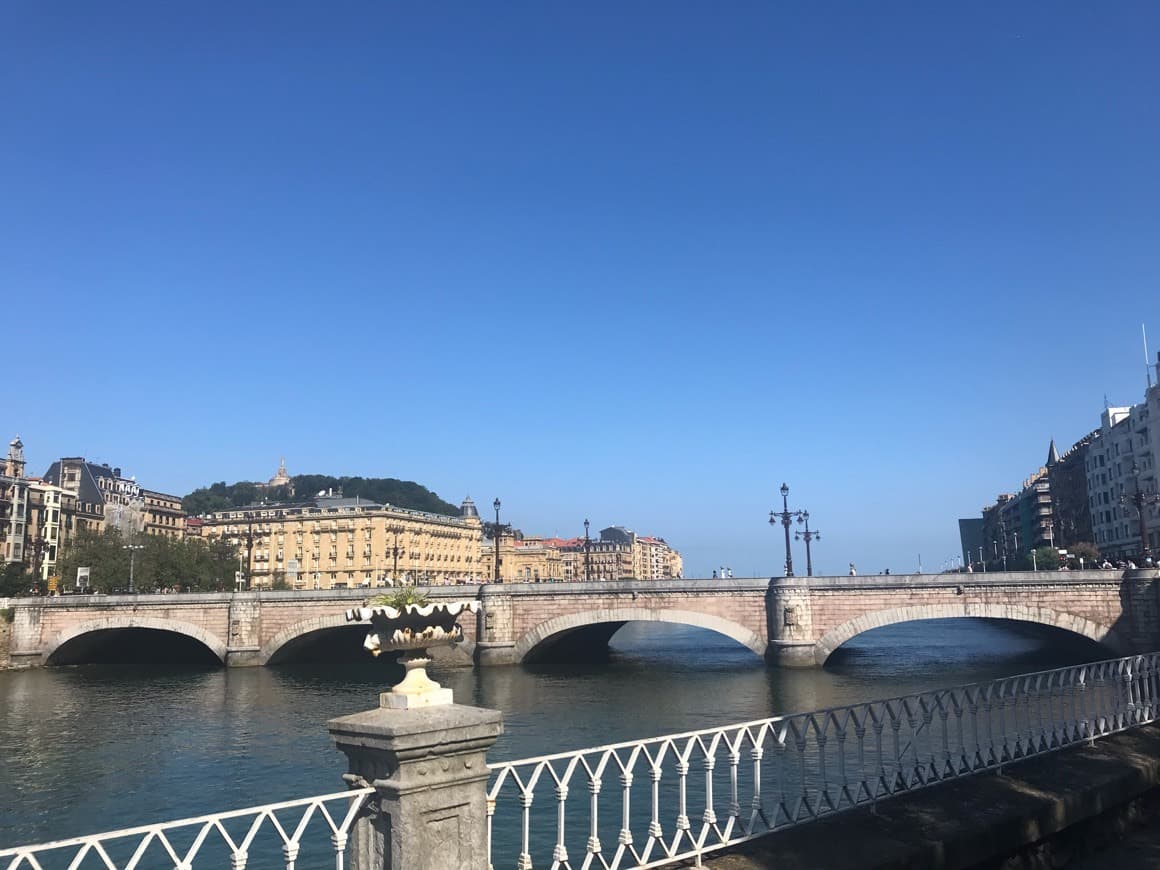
{"x":637,"y":262}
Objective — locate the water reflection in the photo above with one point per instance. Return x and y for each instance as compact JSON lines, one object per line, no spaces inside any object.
{"x":98,"y":747}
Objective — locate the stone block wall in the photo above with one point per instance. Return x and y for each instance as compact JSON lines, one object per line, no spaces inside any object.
{"x":5,"y":641}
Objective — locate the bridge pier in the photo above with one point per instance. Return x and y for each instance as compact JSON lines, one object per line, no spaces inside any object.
{"x":495,"y":641}
{"x":790,"y":624}
{"x":783,"y":654}
{"x":244,"y":657}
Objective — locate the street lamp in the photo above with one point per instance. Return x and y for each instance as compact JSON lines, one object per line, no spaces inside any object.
{"x":807,"y":536}
{"x":132,"y":548}
{"x":37,"y":550}
{"x":395,"y":553}
{"x":587,"y":555}
{"x":496,"y":504}
{"x":1138,"y":499}
{"x":1003,"y":535}
{"x":786,"y":517}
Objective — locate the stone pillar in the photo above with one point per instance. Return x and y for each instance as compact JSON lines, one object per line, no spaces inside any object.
{"x":495,"y":631}
{"x":429,"y":767}
{"x":789,"y":621}
{"x":243,"y":645}
{"x":25,"y":644}
{"x":1138,"y":629}
{"x":5,"y":637}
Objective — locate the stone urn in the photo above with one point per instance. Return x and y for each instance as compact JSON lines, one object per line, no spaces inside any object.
{"x":413,"y":628}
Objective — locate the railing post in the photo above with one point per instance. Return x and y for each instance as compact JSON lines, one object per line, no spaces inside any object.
{"x":429,"y":767}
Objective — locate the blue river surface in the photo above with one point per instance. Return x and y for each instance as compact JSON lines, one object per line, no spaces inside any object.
{"x":98,"y":747}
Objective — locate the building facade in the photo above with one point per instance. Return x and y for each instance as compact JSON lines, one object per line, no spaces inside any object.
{"x":1067,"y":475}
{"x":105,"y":499}
{"x":617,"y":554}
{"x":522,"y":560}
{"x":163,"y":514}
{"x":331,"y":542}
{"x":36,"y":518}
{"x":1121,"y":478}
{"x":51,"y":524}
{"x":13,"y":504}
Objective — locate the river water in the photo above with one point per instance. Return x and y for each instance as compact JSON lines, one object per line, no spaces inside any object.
{"x":98,"y":747}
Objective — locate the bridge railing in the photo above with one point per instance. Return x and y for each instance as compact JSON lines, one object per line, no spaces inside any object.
{"x":648,"y":803}
{"x":312,"y":830}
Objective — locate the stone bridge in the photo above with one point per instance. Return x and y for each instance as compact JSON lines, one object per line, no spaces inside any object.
{"x":795,"y":621}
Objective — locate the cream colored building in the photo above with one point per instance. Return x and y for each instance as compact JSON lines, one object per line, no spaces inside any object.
{"x":163,"y":514}
{"x":527,"y":560}
{"x":654,"y":559}
{"x":333,"y":542}
{"x":617,"y":554}
{"x":13,"y":504}
{"x":51,"y":523}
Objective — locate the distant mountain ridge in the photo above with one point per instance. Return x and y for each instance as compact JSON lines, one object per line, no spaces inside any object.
{"x":383,"y":490}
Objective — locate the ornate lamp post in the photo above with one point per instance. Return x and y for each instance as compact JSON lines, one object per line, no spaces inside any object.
{"x":248,"y":537}
{"x":587,"y":555}
{"x":395,"y":554}
{"x":807,"y":536}
{"x":132,"y":548}
{"x":1139,"y":499}
{"x":496,"y":504}
{"x":37,"y":552}
{"x":786,"y":516}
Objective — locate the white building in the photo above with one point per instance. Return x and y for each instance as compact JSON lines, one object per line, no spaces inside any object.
{"x":1121,"y":462}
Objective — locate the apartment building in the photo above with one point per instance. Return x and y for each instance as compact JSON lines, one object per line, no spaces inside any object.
{"x":331,"y":542}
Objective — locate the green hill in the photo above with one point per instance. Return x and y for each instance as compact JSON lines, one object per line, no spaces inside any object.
{"x":384,"y":490}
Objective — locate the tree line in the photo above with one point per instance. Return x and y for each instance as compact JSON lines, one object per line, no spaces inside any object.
{"x":383,"y":490}
{"x":161,"y":563}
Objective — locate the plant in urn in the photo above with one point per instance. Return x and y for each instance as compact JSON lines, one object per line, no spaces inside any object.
{"x":406,"y":620}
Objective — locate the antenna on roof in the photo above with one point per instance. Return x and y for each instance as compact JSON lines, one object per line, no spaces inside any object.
{"x":1147,"y":360}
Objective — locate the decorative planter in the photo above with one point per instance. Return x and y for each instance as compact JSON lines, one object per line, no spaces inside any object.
{"x":414,"y":629}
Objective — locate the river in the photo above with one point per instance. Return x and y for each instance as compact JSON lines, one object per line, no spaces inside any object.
{"x":96,"y":747}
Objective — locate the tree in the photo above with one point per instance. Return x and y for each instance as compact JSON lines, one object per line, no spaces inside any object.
{"x":14,"y":580}
{"x":1047,"y":558}
{"x":187,"y":565}
{"x":1090,"y":553}
{"x":382,"y":490}
{"x":103,"y":553}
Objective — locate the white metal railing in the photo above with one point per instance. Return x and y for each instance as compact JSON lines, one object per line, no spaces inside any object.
{"x":239,"y":839}
{"x":708,"y":789}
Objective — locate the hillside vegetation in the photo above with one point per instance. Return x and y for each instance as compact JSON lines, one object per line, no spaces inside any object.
{"x":384,"y":490}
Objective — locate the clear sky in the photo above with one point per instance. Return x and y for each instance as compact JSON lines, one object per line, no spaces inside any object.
{"x":637,"y":262}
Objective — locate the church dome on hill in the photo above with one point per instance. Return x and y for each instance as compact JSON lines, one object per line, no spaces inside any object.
{"x":281,"y":478}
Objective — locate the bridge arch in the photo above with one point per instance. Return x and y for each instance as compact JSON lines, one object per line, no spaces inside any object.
{"x":108,"y":623}
{"x":327,"y":622}
{"x":558,"y":625}
{"x":835,"y":637}
{"x":300,"y":629}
